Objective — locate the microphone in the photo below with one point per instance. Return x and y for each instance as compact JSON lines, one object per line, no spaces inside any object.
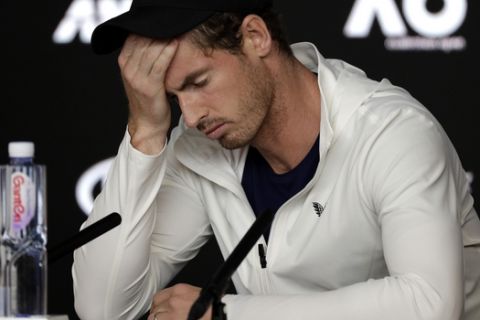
{"x":89,"y":233}
{"x":217,"y":286}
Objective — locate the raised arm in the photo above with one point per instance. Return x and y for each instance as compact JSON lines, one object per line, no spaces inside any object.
{"x":163,"y":222}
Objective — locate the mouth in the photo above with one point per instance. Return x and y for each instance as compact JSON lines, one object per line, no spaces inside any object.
{"x":215,"y":131}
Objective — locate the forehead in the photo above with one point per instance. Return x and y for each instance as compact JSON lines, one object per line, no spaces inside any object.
{"x":189,"y":58}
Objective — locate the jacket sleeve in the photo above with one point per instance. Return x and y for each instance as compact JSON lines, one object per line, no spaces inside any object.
{"x":116,"y":275}
{"x":413,"y":181}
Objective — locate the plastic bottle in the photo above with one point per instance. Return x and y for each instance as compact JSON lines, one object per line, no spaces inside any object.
{"x":24,"y":233}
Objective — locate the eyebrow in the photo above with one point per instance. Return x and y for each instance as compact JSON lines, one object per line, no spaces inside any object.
{"x":190,"y":79}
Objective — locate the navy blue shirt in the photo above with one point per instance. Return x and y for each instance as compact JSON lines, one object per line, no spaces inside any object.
{"x":267,"y":190}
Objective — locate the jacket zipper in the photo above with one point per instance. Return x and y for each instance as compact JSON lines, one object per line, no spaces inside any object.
{"x":262,"y":256}
{"x":263,"y":271}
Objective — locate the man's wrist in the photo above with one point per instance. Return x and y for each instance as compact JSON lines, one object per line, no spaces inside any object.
{"x":150,"y":143}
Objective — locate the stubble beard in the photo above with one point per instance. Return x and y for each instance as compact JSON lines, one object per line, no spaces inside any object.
{"x":253,"y":107}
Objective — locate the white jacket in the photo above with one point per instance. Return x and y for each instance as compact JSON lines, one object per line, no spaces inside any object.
{"x":398,"y":218}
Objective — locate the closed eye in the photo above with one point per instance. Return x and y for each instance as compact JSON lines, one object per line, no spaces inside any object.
{"x":199,"y":84}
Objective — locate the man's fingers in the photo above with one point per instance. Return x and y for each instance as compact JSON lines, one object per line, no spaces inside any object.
{"x":135,"y":59}
{"x":130,"y":58}
{"x":161,"y":64}
{"x":146,"y":57}
{"x":161,"y":296}
{"x":174,"y":302}
{"x":156,"y":314}
{"x":150,"y":56}
{"x":160,"y":303}
{"x":127,"y":49}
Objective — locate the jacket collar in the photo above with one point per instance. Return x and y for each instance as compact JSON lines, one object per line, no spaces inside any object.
{"x":343,"y":89}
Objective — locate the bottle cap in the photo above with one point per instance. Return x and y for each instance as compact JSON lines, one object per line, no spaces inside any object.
{"x":21,"y":149}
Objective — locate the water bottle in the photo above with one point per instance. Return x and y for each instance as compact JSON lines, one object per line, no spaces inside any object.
{"x":23,"y":254}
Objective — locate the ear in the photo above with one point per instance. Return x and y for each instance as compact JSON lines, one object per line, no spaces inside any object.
{"x":256,"y":36}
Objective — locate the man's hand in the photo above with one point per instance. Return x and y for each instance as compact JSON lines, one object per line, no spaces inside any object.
{"x":143,"y":64}
{"x":174,"y":303}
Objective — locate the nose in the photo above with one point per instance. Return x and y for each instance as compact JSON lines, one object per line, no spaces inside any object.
{"x":192,"y":110}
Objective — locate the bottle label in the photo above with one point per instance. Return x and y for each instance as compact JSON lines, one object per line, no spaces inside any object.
{"x":22,"y":201}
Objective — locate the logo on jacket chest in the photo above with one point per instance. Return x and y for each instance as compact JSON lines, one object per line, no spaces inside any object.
{"x":318,"y":208}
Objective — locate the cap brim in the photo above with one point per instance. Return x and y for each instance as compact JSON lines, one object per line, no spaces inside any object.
{"x":151,"y":22}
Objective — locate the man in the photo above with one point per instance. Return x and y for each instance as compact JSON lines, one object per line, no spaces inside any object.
{"x":373,"y":220}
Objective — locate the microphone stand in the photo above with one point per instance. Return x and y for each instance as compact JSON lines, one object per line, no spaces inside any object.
{"x":89,"y":233}
{"x":215,"y":289}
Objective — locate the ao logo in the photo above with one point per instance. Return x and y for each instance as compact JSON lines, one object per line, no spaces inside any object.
{"x":84,"y":190}
{"x":419,"y":18}
{"x":83,"y":16}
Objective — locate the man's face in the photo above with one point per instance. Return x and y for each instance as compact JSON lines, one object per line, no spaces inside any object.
{"x":225,"y":96}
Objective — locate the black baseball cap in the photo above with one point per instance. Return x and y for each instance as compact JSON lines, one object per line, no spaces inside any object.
{"x":163,"y":19}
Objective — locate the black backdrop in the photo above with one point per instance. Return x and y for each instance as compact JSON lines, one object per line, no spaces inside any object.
{"x":70,"y":102}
